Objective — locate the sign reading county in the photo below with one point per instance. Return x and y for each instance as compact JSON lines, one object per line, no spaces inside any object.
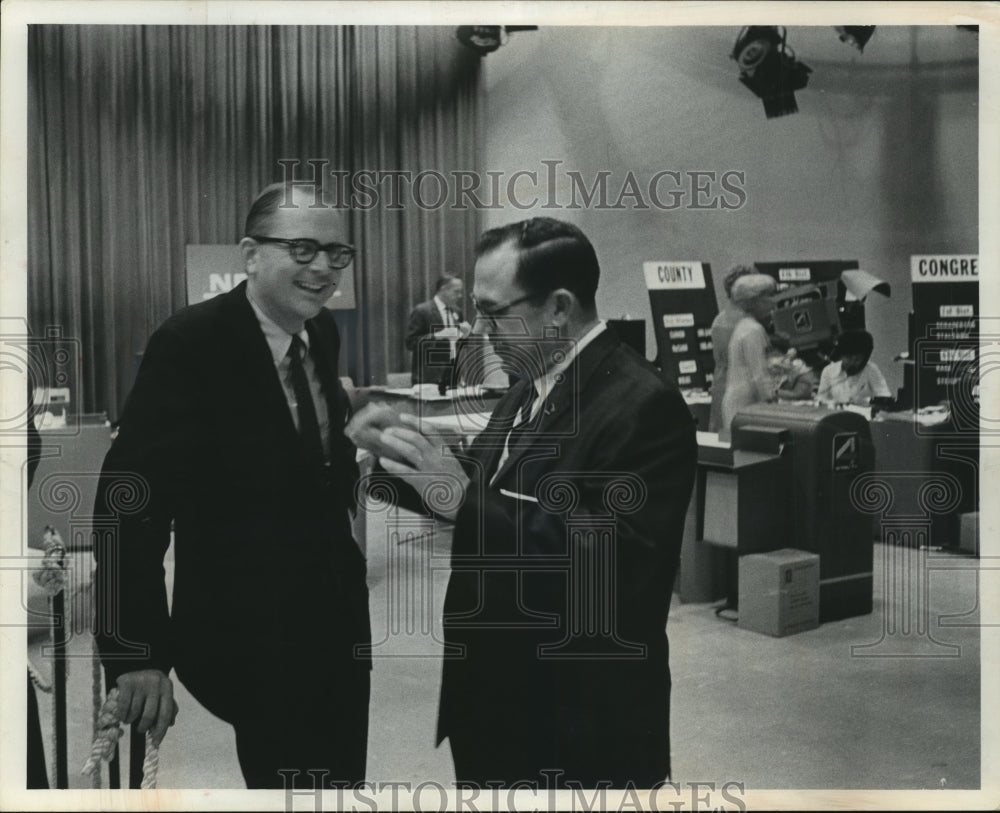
{"x":673,"y":275}
{"x":944,"y":268}
{"x":215,"y":269}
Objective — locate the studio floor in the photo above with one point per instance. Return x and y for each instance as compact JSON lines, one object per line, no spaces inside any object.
{"x":889,"y":700}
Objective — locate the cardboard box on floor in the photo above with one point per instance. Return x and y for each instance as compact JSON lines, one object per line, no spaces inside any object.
{"x":779,"y":592}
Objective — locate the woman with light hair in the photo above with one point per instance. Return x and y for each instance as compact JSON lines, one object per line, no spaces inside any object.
{"x":722,"y":332}
{"x":749,"y":380}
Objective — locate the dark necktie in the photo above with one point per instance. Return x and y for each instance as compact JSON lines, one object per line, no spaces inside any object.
{"x":312,"y":442}
{"x":522,"y":419}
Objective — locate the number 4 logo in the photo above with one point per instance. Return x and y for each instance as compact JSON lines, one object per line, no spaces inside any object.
{"x":846,"y":455}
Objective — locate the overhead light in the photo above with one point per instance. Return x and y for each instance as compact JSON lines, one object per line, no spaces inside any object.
{"x":485,"y":39}
{"x":769,"y":68}
{"x":856,"y":36}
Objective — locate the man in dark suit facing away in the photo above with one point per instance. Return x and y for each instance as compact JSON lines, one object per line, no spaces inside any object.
{"x":433,"y":332}
{"x":568,"y":514}
{"x":233,"y":433}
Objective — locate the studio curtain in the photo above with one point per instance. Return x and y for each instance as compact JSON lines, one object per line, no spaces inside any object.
{"x":144,"y":139}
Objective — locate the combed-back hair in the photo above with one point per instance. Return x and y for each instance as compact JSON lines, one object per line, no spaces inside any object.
{"x":270,"y":198}
{"x":551,"y":254}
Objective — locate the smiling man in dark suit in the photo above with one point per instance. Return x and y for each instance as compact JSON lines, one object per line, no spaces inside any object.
{"x":233,"y":433}
{"x":568,"y":517}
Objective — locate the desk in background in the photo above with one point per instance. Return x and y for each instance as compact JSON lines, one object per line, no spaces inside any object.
{"x":740,"y":505}
{"x":913,"y":454}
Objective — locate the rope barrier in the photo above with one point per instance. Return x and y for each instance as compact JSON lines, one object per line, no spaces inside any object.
{"x":51,"y":576}
{"x":106,"y":738}
{"x":96,"y":675}
{"x":38,"y":680}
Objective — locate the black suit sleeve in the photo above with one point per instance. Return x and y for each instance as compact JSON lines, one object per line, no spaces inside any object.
{"x":418,"y":327}
{"x":137,"y":498}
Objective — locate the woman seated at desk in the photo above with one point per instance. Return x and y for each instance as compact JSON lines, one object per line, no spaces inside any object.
{"x":853,"y":378}
{"x":795,"y":373}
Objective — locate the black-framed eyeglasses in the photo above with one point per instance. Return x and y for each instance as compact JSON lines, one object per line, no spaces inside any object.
{"x":304,"y":250}
{"x":500,"y":310}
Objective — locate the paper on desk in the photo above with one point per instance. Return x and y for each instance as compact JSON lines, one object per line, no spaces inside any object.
{"x":712,"y":439}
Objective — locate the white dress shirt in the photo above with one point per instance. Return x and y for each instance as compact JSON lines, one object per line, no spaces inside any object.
{"x":545,"y":383}
{"x":448,"y":320}
{"x":279,"y":340}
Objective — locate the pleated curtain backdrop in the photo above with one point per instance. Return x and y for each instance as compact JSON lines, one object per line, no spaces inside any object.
{"x":143,"y":139}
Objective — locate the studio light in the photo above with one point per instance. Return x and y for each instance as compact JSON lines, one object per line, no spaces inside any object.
{"x":769,"y":68}
{"x":856,"y":36}
{"x":485,"y":39}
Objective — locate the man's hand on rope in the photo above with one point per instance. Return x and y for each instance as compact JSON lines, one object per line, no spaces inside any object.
{"x":147,"y":696}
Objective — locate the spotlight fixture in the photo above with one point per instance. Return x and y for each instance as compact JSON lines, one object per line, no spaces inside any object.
{"x":769,"y":68}
{"x":856,"y":36}
{"x":485,"y":39}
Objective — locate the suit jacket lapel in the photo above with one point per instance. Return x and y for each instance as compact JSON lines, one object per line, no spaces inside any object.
{"x":253,"y":363}
{"x":490,"y":442}
{"x":325,"y":348}
{"x":564,"y":398}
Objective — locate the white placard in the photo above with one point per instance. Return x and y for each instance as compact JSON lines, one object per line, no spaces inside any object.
{"x":678,"y":320}
{"x":957,"y":311}
{"x":794,"y":275}
{"x":944,"y":268}
{"x":673,"y":276}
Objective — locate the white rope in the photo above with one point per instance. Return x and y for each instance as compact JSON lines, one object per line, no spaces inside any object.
{"x":106,"y":738}
{"x":150,"y":764}
{"x":51,"y":576}
{"x":38,"y":680}
{"x":97,"y":694}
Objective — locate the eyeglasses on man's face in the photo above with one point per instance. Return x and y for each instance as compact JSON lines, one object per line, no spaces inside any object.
{"x":492,"y":312}
{"x":304,"y":250}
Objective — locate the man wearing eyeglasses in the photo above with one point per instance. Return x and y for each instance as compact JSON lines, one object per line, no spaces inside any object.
{"x":568,"y":514}
{"x":233,"y":434}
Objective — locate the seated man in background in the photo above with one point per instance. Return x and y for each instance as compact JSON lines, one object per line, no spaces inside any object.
{"x":433,"y":333}
{"x":852,"y":378}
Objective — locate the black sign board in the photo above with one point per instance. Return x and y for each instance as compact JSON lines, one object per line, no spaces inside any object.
{"x":944,"y":332}
{"x":682,"y":300}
